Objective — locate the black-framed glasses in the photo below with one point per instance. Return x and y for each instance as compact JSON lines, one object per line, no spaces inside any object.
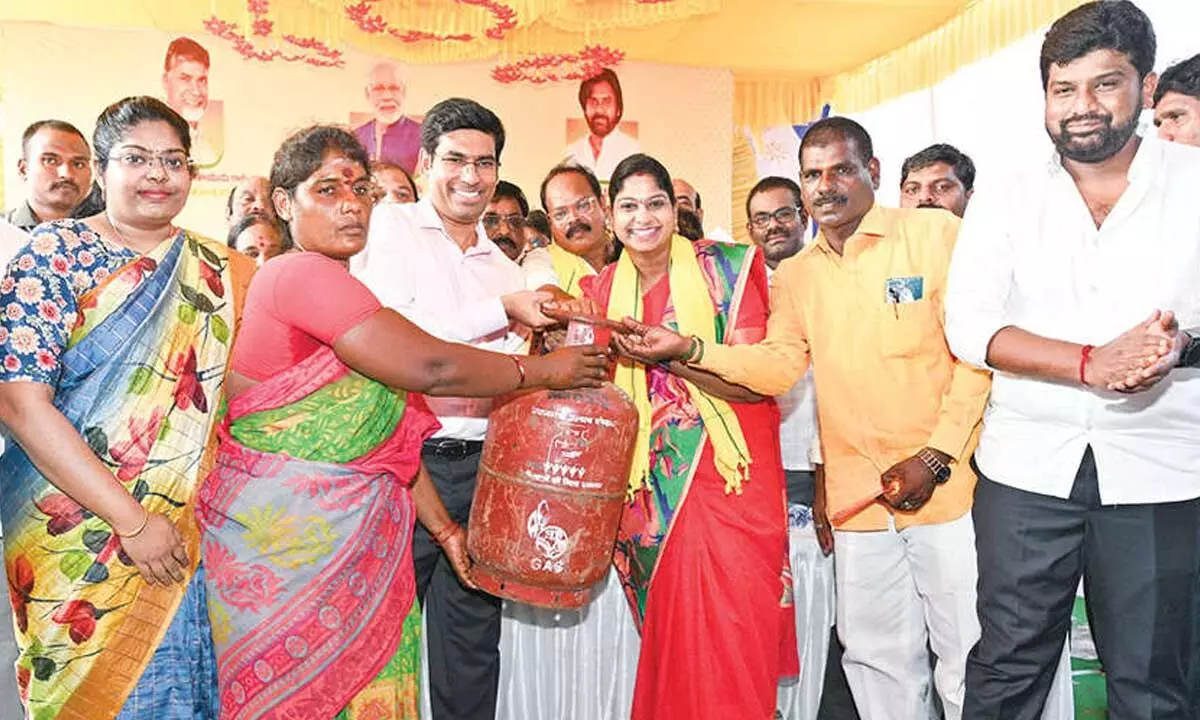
{"x":582,"y":206}
{"x":783,"y":216}
{"x":485,"y":166}
{"x":491,"y":221}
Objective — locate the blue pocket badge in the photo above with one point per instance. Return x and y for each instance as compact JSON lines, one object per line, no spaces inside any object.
{"x":904,"y":289}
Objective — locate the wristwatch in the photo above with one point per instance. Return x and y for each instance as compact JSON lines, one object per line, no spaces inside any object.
{"x":1190,"y":357}
{"x":941,"y":471}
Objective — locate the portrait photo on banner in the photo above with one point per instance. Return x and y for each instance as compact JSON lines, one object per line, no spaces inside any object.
{"x":601,"y":139}
{"x":389,"y":134}
{"x":185,"y":89}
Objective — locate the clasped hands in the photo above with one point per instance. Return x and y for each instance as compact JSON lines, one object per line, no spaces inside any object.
{"x":1138,"y":358}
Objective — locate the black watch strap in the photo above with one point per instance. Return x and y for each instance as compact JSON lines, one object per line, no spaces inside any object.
{"x":1190,"y":357}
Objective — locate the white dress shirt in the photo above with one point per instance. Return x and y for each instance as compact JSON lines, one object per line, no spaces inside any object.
{"x":615,"y":147}
{"x":415,"y":268}
{"x":1030,"y":256}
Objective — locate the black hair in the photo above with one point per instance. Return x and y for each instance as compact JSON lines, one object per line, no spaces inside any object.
{"x":118,"y":119}
{"x":303,"y":152}
{"x":774,"y":182}
{"x":1182,"y":77}
{"x":188,"y":49}
{"x":640,"y":164}
{"x":59,"y":125}
{"x":459,"y":114}
{"x":697,"y":199}
{"x":604,"y":76}
{"x":379,"y":165}
{"x":964,"y":168}
{"x":505,"y":189}
{"x":571,"y":167}
{"x":250,"y":221}
{"x":825,"y":131}
{"x":1100,"y":25}
{"x":540,"y":221}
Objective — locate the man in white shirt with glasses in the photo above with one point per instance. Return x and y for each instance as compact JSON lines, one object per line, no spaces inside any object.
{"x":432,"y":262}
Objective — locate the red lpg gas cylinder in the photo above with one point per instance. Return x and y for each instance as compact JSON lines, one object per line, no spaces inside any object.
{"x":551,"y":488}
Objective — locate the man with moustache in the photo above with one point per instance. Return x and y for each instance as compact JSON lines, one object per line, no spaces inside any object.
{"x":898,"y":417}
{"x":574,"y":202}
{"x":185,"y":83}
{"x":1177,"y":102}
{"x":432,"y":262}
{"x":391,"y":136}
{"x":776,"y":220}
{"x":504,"y":219}
{"x":56,"y":166}
{"x":1066,"y":279}
{"x":604,"y":145}
{"x":940,"y":176}
{"x":689,"y":215}
{"x":250,"y":196}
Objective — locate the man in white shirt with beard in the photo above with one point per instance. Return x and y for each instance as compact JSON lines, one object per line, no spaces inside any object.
{"x":1070,"y":283}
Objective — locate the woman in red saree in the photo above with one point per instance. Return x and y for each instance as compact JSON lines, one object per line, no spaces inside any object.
{"x":702,"y":546}
{"x":309,"y":513}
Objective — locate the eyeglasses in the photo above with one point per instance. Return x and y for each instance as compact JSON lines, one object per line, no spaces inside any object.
{"x":783,"y":216}
{"x":491,"y":221}
{"x":656,"y":204}
{"x":173,"y":162}
{"x":484,"y":166}
{"x":582,"y":206}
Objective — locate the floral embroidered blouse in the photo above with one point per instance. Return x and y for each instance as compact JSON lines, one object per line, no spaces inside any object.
{"x":40,"y":292}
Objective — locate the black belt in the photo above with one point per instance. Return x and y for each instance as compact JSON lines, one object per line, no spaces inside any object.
{"x":452,"y":448}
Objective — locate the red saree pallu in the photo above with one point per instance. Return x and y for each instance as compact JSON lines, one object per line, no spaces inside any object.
{"x":307,"y":526}
{"x":703,"y":558}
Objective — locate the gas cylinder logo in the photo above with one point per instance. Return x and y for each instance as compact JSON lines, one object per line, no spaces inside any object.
{"x":550,"y":540}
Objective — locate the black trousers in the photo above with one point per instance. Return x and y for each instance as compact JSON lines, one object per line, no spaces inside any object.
{"x":1139,"y":568}
{"x":462,"y":625}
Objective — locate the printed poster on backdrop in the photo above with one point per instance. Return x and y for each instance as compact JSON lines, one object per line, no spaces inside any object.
{"x":240,"y":110}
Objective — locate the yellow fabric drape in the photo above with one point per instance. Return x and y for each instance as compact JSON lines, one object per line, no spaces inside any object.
{"x":982,"y":28}
{"x":985,"y":27}
{"x":745,"y":175}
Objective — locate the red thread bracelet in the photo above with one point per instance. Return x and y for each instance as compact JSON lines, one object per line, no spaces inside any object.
{"x":1084,"y":356}
{"x":444,"y":534}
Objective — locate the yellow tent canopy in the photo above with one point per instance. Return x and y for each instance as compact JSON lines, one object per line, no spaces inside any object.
{"x":788,"y":56}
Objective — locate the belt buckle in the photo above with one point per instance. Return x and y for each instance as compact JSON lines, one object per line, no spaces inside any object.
{"x":450,"y":447}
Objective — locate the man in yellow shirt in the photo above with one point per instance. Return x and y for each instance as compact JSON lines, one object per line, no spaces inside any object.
{"x":574,"y":202}
{"x":899,"y":417}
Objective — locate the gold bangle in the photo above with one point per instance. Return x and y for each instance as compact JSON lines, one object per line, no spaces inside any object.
{"x":135,"y":533}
